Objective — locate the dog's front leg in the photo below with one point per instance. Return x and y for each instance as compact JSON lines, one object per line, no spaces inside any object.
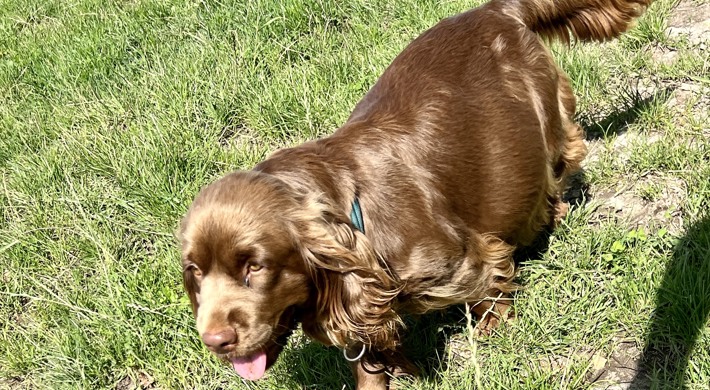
{"x":369,"y":377}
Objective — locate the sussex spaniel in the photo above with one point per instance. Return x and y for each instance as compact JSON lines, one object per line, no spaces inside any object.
{"x":456,"y":156}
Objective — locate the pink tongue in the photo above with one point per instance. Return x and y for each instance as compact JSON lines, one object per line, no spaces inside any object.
{"x":250,"y":367}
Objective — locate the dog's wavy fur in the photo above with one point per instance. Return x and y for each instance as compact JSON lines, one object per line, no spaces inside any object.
{"x":355,"y":291}
{"x":458,"y":155}
{"x":586,"y":20}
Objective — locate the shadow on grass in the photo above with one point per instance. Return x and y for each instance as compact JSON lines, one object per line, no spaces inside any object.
{"x":314,"y":366}
{"x":425,"y":344}
{"x":427,"y":339}
{"x":630,"y":107}
{"x":682,"y":312}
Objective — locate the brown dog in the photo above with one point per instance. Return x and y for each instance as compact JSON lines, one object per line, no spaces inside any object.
{"x":457,"y":155}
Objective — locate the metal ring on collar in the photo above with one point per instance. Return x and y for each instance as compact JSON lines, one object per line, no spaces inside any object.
{"x":356,"y":358}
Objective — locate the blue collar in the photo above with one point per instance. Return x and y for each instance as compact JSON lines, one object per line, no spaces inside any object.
{"x":356,"y":216}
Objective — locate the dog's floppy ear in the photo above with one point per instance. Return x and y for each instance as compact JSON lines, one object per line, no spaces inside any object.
{"x":355,"y":293}
{"x":191,"y":287}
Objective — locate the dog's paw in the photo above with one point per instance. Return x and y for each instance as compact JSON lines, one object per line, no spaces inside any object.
{"x":490,"y":315}
{"x":559,"y":212}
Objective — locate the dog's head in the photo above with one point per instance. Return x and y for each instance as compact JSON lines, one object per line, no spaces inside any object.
{"x":258,"y":256}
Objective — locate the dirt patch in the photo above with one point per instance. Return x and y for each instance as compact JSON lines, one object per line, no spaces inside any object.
{"x":619,"y":370}
{"x":460,"y":352}
{"x":239,"y":132}
{"x":16,"y":383}
{"x":654,"y":199}
{"x":246,"y":140}
{"x":21,"y":317}
{"x":620,"y":149}
{"x":690,"y":103}
{"x":563,"y":363}
{"x":139,"y":381}
{"x":691,"y":21}
{"x":664,"y":55}
{"x":625,"y":142}
{"x":615,"y":370}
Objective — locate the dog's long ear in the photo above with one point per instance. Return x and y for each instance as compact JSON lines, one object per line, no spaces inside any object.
{"x":355,"y":293}
{"x":192,"y":288}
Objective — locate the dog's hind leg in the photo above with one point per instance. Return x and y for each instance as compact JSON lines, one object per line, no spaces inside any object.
{"x":496,"y":262}
{"x":571,"y":150}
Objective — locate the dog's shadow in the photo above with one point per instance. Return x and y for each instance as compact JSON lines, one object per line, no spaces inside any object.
{"x":630,"y":106}
{"x":425,"y":344}
{"x":682,"y":306}
{"x":313,"y":366}
{"x":682,"y":312}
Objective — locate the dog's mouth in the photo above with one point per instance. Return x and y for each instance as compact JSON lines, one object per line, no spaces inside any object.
{"x":253,"y":366}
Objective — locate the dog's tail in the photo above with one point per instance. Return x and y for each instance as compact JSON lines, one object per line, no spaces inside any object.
{"x":587,"y":20}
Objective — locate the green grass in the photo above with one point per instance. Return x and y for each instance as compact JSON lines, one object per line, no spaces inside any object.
{"x":114,"y":113}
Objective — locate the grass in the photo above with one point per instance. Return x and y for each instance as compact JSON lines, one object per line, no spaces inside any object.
{"x":113,"y":114}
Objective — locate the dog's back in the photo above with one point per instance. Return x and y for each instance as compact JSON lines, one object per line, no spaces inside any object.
{"x":478,"y":103}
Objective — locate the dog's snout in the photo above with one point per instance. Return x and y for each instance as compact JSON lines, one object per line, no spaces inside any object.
{"x":221,"y":340}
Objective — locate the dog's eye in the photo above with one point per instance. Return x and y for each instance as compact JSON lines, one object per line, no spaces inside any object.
{"x":196,"y":272}
{"x":251,"y":268}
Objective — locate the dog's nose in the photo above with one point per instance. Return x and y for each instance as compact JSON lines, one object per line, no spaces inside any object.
{"x":220,"y":341}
